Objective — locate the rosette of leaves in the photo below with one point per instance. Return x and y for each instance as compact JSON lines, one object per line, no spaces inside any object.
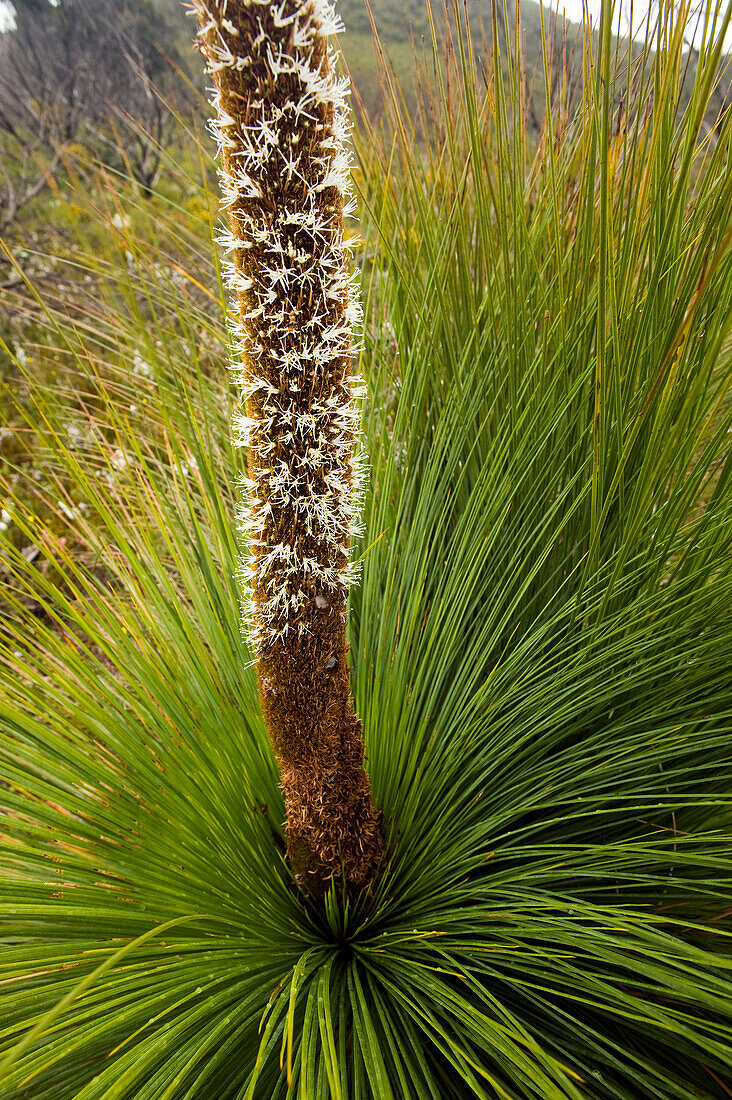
{"x":541,"y":639}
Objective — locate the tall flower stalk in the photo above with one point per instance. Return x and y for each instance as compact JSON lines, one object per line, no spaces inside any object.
{"x":281,"y":124}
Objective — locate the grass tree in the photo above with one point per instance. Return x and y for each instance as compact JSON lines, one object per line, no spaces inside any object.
{"x":281,"y":125}
{"x":541,"y":640}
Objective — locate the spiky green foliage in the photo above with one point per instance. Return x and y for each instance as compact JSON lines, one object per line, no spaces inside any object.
{"x":542,"y":650}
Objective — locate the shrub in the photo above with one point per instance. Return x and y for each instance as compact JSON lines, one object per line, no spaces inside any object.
{"x":541,"y":644}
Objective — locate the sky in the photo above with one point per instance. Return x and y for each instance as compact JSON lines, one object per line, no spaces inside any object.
{"x":627,"y":12}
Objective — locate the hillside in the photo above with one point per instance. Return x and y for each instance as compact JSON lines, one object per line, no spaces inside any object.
{"x":405,"y":35}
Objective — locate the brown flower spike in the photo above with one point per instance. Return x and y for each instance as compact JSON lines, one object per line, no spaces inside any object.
{"x":281,"y":123}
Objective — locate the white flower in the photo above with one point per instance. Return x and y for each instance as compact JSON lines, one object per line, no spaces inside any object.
{"x":119,"y":459}
{"x":142,"y":367}
{"x":70,"y":513}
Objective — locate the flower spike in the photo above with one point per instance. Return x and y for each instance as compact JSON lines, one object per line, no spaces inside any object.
{"x":281,"y":125}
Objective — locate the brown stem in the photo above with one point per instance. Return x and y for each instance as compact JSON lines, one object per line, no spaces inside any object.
{"x":319,"y":746}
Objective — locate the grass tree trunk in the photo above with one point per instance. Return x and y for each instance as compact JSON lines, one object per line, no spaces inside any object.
{"x":281,"y":124}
